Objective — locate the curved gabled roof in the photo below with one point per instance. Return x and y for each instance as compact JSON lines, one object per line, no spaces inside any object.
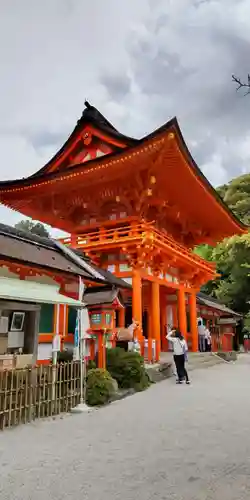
{"x":204,"y":189}
{"x":90,"y":116}
{"x":198,"y":172}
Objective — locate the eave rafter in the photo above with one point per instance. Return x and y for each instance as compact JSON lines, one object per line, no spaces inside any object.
{"x":145,"y":180}
{"x":146,"y":247}
{"x":26,"y":270}
{"x":159,"y":263}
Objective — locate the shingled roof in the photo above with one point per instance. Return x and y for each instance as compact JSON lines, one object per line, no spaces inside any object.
{"x":102,"y":295}
{"x":207,"y":300}
{"x":23,"y":246}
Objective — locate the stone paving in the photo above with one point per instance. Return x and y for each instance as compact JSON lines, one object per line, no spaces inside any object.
{"x":170,"y":442}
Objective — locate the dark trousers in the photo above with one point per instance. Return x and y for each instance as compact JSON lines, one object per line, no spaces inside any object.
{"x":180,"y":367}
{"x":208,"y":346}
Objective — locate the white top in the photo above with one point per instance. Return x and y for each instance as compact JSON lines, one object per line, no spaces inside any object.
{"x":131,"y":329}
{"x":201,"y":330}
{"x":208,"y":335}
{"x":179,"y":346}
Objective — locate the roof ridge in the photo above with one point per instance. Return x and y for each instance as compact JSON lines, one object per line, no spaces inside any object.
{"x":20,"y":234}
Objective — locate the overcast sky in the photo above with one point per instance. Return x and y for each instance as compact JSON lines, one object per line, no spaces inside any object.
{"x":140,"y":62}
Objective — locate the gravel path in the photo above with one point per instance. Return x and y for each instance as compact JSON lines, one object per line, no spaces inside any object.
{"x":170,"y":442}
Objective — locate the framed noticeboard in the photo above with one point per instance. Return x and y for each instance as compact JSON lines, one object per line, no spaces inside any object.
{"x":17,"y":321}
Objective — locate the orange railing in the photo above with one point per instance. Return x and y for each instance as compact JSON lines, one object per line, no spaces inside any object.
{"x":113,"y":237}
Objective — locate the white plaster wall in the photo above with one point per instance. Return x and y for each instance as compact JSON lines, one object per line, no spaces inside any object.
{"x":44,"y":351}
{"x":169,"y":315}
{"x":170,"y":322}
{"x":46,"y":280}
{"x":71,"y":287}
{"x":6,"y":273}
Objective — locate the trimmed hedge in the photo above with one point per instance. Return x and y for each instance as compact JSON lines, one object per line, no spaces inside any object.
{"x":127,"y":368}
{"x":100,"y":387}
{"x":91,"y":365}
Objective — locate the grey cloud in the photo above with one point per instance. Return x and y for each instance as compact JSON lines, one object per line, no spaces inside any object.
{"x":45,"y":138}
{"x":118,"y":85}
{"x":139,"y":62}
{"x":183,"y":65}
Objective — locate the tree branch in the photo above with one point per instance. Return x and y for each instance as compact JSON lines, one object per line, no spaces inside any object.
{"x":241,"y":84}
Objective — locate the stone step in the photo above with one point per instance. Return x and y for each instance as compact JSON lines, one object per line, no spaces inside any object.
{"x":207,"y":364}
{"x":196,"y":361}
{"x":200,"y":361}
{"x":203,"y":360}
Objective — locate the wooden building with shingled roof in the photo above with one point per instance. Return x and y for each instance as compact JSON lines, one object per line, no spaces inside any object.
{"x":39,"y":287}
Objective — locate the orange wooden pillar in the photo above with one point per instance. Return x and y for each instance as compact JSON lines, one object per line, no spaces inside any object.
{"x":101,"y":350}
{"x":121,"y":317}
{"x":137,"y":301}
{"x":92,"y":349}
{"x":193,"y":321}
{"x":213,"y":335}
{"x":163,"y":312}
{"x":150,"y":332}
{"x":175,"y":315}
{"x":182,"y":316}
{"x":156,"y":326}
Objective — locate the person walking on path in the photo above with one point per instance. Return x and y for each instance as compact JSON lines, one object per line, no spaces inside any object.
{"x":246,"y":342}
{"x":208,"y":340}
{"x":180,"y":350}
{"x":201,"y":335}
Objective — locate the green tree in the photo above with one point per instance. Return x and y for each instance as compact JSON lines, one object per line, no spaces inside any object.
{"x":206,"y":252}
{"x":32,"y":227}
{"x":236,"y":194}
{"x":232,"y":257}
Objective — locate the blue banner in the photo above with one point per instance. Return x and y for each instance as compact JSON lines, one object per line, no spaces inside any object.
{"x":76,"y":337}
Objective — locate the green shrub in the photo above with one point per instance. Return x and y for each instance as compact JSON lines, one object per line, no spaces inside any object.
{"x":127,"y":368}
{"x":100,"y":387}
{"x":91,"y":365}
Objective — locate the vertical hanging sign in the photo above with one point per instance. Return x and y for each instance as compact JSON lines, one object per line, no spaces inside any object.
{"x":78,"y":327}
{"x":76,"y":337}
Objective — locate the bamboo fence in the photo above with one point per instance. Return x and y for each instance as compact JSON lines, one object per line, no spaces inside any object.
{"x":39,"y":392}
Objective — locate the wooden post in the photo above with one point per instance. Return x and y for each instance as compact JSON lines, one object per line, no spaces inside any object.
{"x":163,"y":313}
{"x":92,"y":349}
{"x":175,"y":316}
{"x":121,"y":317}
{"x":54,"y":358}
{"x":193,"y":321}
{"x":101,"y":350}
{"x":156,"y":318}
{"x":213,"y":334}
{"x":137,"y":302}
{"x":182,"y":312}
{"x":150,"y":333}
